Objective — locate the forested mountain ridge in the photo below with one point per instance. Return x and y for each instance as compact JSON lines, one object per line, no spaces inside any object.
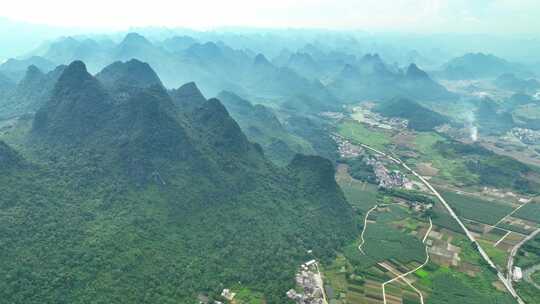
{"x":419,"y":117}
{"x":371,"y":78}
{"x":479,"y":65}
{"x":136,"y":200}
{"x":30,"y":93}
{"x":263,"y":127}
{"x":308,"y":80}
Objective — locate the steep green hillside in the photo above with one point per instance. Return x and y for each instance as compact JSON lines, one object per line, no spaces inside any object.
{"x":262,"y":126}
{"x":419,"y":117}
{"x":30,"y":93}
{"x":133,"y":200}
{"x":491,"y":119}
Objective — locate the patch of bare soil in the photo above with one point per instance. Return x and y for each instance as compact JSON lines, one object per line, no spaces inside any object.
{"x":426,"y":169}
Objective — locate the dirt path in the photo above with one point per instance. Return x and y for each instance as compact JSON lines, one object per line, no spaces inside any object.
{"x":404,"y":275}
{"x":507,"y":283}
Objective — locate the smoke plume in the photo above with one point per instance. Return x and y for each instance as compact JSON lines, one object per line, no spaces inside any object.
{"x":470,"y":125}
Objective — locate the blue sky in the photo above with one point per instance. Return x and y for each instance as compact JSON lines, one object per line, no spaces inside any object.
{"x":470,"y":16}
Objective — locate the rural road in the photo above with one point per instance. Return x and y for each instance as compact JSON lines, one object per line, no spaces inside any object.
{"x":398,"y":276}
{"x":507,"y":283}
{"x":510,"y":265}
{"x":404,"y":275}
{"x":362,"y":241}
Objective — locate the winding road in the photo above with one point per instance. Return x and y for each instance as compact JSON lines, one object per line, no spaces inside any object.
{"x":515,"y":249}
{"x":398,"y":276}
{"x":404,"y":275}
{"x":507,"y":283}
{"x":362,"y":241}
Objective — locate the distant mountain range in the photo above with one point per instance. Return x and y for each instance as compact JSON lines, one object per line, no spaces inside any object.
{"x":307,"y":80}
{"x":510,"y":82}
{"x":16,"y":68}
{"x":480,"y":65}
{"x":30,"y":93}
{"x":372,"y":79}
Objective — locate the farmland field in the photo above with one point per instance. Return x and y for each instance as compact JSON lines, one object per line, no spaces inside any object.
{"x":360,"y":195}
{"x":530,"y":212}
{"x":498,"y":256}
{"x":384,"y":243}
{"x":361,"y":134}
{"x":442,"y":219}
{"x":450,"y":286}
{"x":528,"y":292}
{"x":528,"y":253}
{"x":476,"y":209}
{"x":451,"y":170}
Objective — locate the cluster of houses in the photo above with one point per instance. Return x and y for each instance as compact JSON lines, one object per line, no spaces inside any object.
{"x":364,"y":114}
{"x":388,"y":178}
{"x":310,"y":281}
{"x":527,"y":136}
{"x":345,"y":148}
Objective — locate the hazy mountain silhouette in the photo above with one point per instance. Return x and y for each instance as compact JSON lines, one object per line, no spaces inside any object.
{"x":479,"y":65}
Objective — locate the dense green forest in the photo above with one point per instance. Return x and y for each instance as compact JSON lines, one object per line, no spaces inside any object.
{"x":125,"y":197}
{"x":420,"y":118}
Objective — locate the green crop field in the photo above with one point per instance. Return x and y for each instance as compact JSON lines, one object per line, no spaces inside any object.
{"x":383,"y":242}
{"x":360,"y":195}
{"x":359,"y":133}
{"x":450,"y":286}
{"x":424,"y":141}
{"x":476,"y":209}
{"x":528,"y":292}
{"x":536,"y":277}
{"x":498,"y":256}
{"x":528,"y":253}
{"x":452,"y":170}
{"x":442,"y":219}
{"x":530,"y":212}
{"x":421,"y":273}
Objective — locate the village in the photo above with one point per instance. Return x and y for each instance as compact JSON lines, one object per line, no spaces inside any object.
{"x":386,"y":178}
{"x":309,"y":281}
{"x":526,"y":136}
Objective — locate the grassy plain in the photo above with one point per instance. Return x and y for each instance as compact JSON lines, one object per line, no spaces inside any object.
{"x":359,"y":133}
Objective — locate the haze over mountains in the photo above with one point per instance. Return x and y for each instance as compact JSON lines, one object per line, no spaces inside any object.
{"x":255,"y":76}
{"x":314,"y":78}
{"x":164,"y":166}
